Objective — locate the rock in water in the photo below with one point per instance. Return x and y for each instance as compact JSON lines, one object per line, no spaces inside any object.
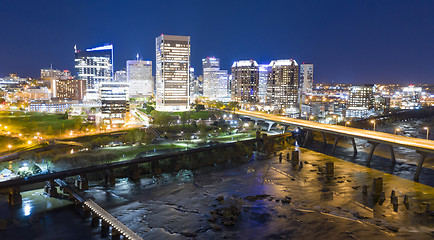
{"x":184,"y":175}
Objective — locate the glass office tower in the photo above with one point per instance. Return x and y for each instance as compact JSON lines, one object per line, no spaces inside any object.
{"x":95,"y":65}
{"x":172,"y":73}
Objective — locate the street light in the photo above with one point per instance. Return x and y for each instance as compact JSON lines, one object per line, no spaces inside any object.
{"x":427,"y":132}
{"x":336,"y":119}
{"x":397,"y":130}
{"x":9,"y":146}
{"x":347,"y":123}
{"x":373,"y":122}
{"x":311,"y":117}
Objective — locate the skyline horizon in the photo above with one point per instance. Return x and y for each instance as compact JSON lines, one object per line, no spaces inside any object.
{"x":153,"y":68}
{"x":348,"y":41}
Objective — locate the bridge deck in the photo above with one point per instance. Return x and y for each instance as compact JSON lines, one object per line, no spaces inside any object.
{"x":107,"y":217}
{"x":422,"y":145}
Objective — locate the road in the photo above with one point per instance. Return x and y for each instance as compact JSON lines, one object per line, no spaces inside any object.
{"x":422,"y":145}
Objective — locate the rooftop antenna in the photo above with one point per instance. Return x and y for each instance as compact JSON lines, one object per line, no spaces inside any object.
{"x":75,"y":48}
{"x":137,"y":56}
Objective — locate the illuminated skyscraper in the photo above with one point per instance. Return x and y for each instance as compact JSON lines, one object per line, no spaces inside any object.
{"x":306,"y":79}
{"x":282,"y":86}
{"x":245,"y":81}
{"x":215,"y":81}
{"x":361,"y":101}
{"x":139,"y":75}
{"x":172,"y":73}
{"x":263,"y":79}
{"x":95,"y":65}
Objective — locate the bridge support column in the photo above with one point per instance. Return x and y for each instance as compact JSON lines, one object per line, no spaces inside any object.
{"x":115,"y":234}
{"x":135,"y":173}
{"x":354,"y":146}
{"x":50,"y":188}
{"x":334,"y":145}
{"x":81,"y":182}
{"x":155,"y":167}
{"x":14,"y":196}
{"x":324,"y":138}
{"x":419,"y":166}
{"x":307,"y":137}
{"x":86,"y":211}
{"x":104,"y":228}
{"x":392,"y":155}
{"x":95,"y":220}
{"x":264,"y":142}
{"x":371,"y":153}
{"x":109,"y":178}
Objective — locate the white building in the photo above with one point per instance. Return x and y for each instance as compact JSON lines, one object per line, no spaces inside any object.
{"x":139,"y":75}
{"x":172,"y":73}
{"x":306,"y":80}
{"x":215,"y":81}
{"x":263,"y":79}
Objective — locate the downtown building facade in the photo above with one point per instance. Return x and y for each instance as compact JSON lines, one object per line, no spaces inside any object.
{"x":361,"y":101}
{"x":139,"y":76}
{"x":245,"y":81}
{"x":95,"y":66}
{"x":263,"y":79}
{"x":172,"y":73}
{"x":283,"y":86}
{"x":215,"y":80}
{"x":306,"y":80}
{"x":114,"y":103}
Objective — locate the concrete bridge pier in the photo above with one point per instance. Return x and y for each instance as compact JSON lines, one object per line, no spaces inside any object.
{"x":155,"y":167}
{"x":335,"y":144}
{"x":135,"y":173}
{"x":81,"y":182}
{"x":50,"y":188}
{"x":115,"y":234}
{"x":309,"y":135}
{"x":419,"y":166}
{"x":354,"y":146}
{"x":86,"y":211}
{"x":371,"y":153}
{"x":270,"y":125}
{"x":95,"y":220}
{"x":109,"y":178}
{"x":104,"y":228}
{"x":392,"y":155}
{"x":264,"y":142}
{"x":324,"y":138}
{"x":14,"y":196}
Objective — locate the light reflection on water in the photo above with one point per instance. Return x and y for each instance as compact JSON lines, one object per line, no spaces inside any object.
{"x":27,"y":208}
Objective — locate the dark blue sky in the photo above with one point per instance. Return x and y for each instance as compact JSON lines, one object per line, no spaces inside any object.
{"x":348,"y":41}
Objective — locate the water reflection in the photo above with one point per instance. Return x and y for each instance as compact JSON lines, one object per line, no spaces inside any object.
{"x":27,"y":207}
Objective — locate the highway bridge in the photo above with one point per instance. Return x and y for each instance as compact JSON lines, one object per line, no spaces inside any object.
{"x":422,"y":146}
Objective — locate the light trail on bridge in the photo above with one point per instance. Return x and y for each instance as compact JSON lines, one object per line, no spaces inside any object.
{"x":422,"y":145}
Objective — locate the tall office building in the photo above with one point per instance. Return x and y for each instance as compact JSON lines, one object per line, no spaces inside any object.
{"x":361,"y":101}
{"x":306,"y":79}
{"x":139,"y":75}
{"x":282,"y":85}
{"x":114,"y":102}
{"x":95,"y":65}
{"x":263,"y":79}
{"x":172,"y":73}
{"x":215,"y":81}
{"x":245,"y":81}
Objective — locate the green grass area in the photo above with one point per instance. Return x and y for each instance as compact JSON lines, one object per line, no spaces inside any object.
{"x":196,"y":115}
{"x":6,"y":140}
{"x":31,"y":122}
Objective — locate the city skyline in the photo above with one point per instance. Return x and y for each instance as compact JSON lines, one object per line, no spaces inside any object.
{"x":393,"y":33}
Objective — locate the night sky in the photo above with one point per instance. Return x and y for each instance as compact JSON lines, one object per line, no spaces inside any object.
{"x":348,"y":41}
